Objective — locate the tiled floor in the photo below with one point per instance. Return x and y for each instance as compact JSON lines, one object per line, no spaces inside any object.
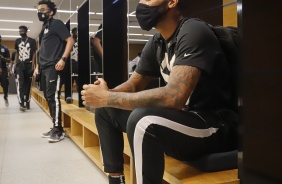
{"x":26,"y":158}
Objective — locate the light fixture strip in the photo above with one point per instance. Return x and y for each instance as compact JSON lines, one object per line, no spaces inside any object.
{"x":19,"y":21}
{"x":32,"y":9}
{"x":10,"y":36}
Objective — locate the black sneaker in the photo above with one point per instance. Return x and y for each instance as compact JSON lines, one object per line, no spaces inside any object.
{"x":22,"y":108}
{"x":6,"y":102}
{"x":57,"y":135}
{"x":27,"y":105}
{"x":47,"y":134}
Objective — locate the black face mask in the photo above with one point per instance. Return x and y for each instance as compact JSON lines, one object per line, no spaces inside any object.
{"x":23,"y":34}
{"x":149,"y":16}
{"x":43,"y":16}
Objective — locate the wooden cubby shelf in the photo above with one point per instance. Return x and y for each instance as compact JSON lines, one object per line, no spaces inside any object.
{"x":80,"y":126}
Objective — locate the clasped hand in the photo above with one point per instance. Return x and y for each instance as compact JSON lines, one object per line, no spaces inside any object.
{"x":95,"y":95}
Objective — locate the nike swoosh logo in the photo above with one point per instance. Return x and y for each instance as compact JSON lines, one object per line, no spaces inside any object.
{"x":52,"y":80}
{"x":186,"y":55}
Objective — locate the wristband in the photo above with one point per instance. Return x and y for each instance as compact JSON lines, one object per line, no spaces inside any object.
{"x":64,"y":59}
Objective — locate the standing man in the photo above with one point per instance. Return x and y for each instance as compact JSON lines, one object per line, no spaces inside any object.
{"x":26,"y":48}
{"x":4,"y":80}
{"x":97,"y":46}
{"x":74,"y":58}
{"x":55,"y":46}
{"x":191,"y":116}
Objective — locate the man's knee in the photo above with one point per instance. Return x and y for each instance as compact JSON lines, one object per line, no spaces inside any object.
{"x":135,"y":117}
{"x":99,"y":113}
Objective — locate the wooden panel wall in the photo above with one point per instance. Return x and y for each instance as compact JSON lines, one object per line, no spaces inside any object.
{"x":229,"y":13}
{"x":134,"y":49}
{"x":10,"y":44}
{"x":207,"y":10}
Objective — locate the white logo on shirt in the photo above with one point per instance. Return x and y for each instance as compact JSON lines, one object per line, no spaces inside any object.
{"x":46,"y":31}
{"x":186,"y":55}
{"x":24,"y":51}
{"x":74,"y":53}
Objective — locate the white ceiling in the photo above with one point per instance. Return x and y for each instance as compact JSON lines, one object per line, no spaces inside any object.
{"x":6,"y":13}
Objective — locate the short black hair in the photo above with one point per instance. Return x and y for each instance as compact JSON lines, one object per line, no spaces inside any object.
{"x":100,"y":27}
{"x":51,"y":5}
{"x":74,"y":30}
{"x":23,"y":27}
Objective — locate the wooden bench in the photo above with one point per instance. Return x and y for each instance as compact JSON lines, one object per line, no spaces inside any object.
{"x":79,"y":125}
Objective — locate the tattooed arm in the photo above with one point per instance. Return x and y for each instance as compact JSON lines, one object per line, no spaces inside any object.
{"x":182,"y":82}
{"x":135,"y":83}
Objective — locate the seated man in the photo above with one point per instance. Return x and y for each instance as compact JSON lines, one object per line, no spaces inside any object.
{"x":191,"y":116}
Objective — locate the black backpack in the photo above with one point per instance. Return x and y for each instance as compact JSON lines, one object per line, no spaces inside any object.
{"x":229,"y":42}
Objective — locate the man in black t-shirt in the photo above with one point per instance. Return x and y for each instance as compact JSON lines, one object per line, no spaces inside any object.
{"x":97,"y":47}
{"x":74,"y":58}
{"x":4,"y":59}
{"x":191,"y":116}
{"x":25,"y":57}
{"x":55,"y":46}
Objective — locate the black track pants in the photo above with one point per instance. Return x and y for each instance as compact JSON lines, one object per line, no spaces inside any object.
{"x":24,"y":78}
{"x":4,"y":80}
{"x":154,"y":131}
{"x":51,"y":86}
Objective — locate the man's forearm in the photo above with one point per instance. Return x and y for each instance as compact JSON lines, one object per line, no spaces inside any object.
{"x":34,"y":61}
{"x":158,"y":97}
{"x":124,"y":87}
{"x":69,"y":47}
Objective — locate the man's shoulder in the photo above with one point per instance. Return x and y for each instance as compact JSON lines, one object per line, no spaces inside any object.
{"x":57,"y":21}
{"x":18,"y":40}
{"x":193,"y":24}
{"x":195,"y":28}
{"x":4,"y":47}
{"x":31,"y":39}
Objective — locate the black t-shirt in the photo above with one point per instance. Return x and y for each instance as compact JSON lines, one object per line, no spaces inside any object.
{"x":52,"y":44}
{"x":74,"y":52}
{"x":99,"y":35}
{"x":194,"y":45}
{"x":26,"y":49}
{"x":4,"y":52}
{"x":13,"y":56}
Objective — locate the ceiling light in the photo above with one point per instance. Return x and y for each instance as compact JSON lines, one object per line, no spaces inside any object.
{"x":32,"y":9}
{"x":66,"y":11}
{"x":10,"y":36}
{"x":138,"y":40}
{"x":133,"y":34}
{"x":15,"y":8}
{"x":94,"y":24}
{"x":134,"y":26}
{"x":132,"y":14}
{"x":3,"y":29}
{"x":19,"y":21}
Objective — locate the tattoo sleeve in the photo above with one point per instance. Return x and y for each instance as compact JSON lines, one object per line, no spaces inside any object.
{"x":182,"y":82}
